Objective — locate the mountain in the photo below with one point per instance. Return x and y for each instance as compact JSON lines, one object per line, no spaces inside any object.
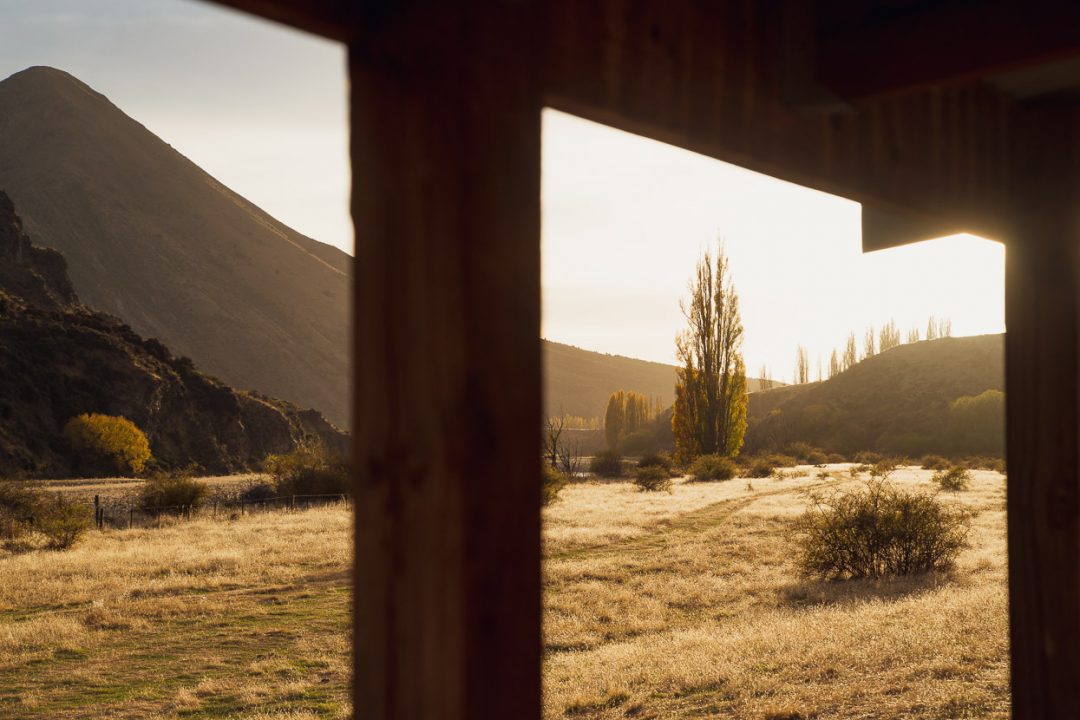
{"x":578,"y":382}
{"x":899,"y":401}
{"x":153,"y":239}
{"x":59,"y":359}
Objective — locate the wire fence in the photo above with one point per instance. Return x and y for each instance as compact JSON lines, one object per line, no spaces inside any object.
{"x":127,"y":516}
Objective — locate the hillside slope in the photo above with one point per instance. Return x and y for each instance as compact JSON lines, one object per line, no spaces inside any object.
{"x":898,"y":401}
{"x":153,"y":239}
{"x":578,"y":382}
{"x":59,"y":359}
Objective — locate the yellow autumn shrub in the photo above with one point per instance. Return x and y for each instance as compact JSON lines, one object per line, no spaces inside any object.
{"x":105,"y":443}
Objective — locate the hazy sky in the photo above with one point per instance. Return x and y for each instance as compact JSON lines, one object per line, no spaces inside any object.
{"x":263,"y":109}
{"x":260,"y":107}
{"x":626,"y":218}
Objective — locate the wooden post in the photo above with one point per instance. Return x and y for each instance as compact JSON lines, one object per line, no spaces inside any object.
{"x":1042,"y":347}
{"x":446,"y":186}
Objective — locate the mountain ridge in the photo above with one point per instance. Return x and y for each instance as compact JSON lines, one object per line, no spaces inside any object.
{"x":155,"y":240}
{"x":60,"y":359}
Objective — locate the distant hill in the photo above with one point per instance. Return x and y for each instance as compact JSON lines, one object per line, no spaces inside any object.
{"x":153,"y":239}
{"x":898,"y":401}
{"x":578,"y":382}
{"x":59,"y":359}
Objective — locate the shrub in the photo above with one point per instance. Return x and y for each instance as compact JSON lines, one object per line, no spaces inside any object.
{"x":713,"y":467}
{"x":878,"y":531}
{"x":800,"y":451}
{"x":836,"y":458}
{"x":816,"y":457}
{"x":310,"y":469}
{"x":985,"y":463}
{"x":954,"y":479}
{"x":25,"y":510}
{"x":104,"y":443}
{"x":934,"y":462}
{"x":883,"y":468}
{"x":660,"y":460}
{"x":257,"y":492}
{"x":780,"y":460}
{"x":551,"y":483}
{"x":62,"y":522}
{"x":867,"y":457}
{"x":652,"y":479}
{"x":172,"y":491}
{"x":760,"y":468}
{"x":607,"y":464}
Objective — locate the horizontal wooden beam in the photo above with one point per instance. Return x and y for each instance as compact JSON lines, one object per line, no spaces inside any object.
{"x":333,"y":19}
{"x":708,"y":77}
{"x":872,"y":51}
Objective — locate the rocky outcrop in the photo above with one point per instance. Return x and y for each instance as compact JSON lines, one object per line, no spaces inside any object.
{"x":59,"y":359}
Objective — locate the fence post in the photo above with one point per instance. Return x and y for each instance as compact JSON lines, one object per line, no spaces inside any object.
{"x":131,"y":514}
{"x":215,"y":509}
{"x":292,"y":502}
{"x":97,"y":511}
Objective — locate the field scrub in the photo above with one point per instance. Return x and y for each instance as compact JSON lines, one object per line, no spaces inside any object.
{"x":241,"y":619}
{"x":691,"y":605}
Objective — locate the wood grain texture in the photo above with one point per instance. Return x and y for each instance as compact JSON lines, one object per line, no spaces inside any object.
{"x":866,"y":50}
{"x":707,"y":77}
{"x":446,"y":161}
{"x":1042,"y":352}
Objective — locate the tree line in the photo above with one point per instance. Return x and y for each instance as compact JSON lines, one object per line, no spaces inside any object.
{"x":873,"y":343}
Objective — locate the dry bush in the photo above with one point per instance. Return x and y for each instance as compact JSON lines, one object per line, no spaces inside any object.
{"x":104,"y":443}
{"x":661,"y":460}
{"x":759,"y":468}
{"x":30,"y":518}
{"x":934,"y":462}
{"x":652,"y":479}
{"x":817,"y":458}
{"x":985,"y":463}
{"x":879,"y":530}
{"x":955,"y":479}
{"x":867,"y":457}
{"x":552,"y":482}
{"x":172,"y":491}
{"x":607,"y":464}
{"x":713,"y":467}
{"x":61,"y":522}
{"x":781,"y":460}
{"x":311,"y":468}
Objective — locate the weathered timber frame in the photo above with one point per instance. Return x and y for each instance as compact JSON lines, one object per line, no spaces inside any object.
{"x":938,"y":117}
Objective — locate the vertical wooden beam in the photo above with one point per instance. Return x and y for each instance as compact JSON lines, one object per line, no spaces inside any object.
{"x":1042,"y":346}
{"x":446,"y":200}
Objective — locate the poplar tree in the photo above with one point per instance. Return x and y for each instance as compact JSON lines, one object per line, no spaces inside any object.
{"x":834,"y":365}
{"x":710,"y":386}
{"x":869,"y":350}
{"x":850,"y":352}
{"x":802,"y":366}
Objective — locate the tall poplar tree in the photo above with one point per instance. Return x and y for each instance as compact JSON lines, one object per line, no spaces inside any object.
{"x":710,"y":385}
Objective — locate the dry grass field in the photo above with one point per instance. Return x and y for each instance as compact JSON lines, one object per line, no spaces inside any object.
{"x":245,"y":619}
{"x":680,"y":605}
{"x":690,"y":605}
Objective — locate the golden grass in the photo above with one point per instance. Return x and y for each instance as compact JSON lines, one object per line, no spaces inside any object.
{"x":658,"y":605}
{"x":245,"y":619}
{"x":690,"y":609}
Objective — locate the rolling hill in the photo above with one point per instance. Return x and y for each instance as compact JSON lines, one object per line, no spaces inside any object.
{"x":59,"y":359}
{"x":578,"y":382}
{"x":153,"y":239}
{"x":899,"y":401}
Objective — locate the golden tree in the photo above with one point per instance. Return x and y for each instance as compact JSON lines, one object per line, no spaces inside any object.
{"x":710,"y":386}
{"x":105,"y":441}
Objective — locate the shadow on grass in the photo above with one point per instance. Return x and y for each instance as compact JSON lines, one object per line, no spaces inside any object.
{"x":816,"y":591}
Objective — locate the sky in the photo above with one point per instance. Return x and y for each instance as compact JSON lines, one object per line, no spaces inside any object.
{"x":263,"y":108}
{"x":625,"y":220}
